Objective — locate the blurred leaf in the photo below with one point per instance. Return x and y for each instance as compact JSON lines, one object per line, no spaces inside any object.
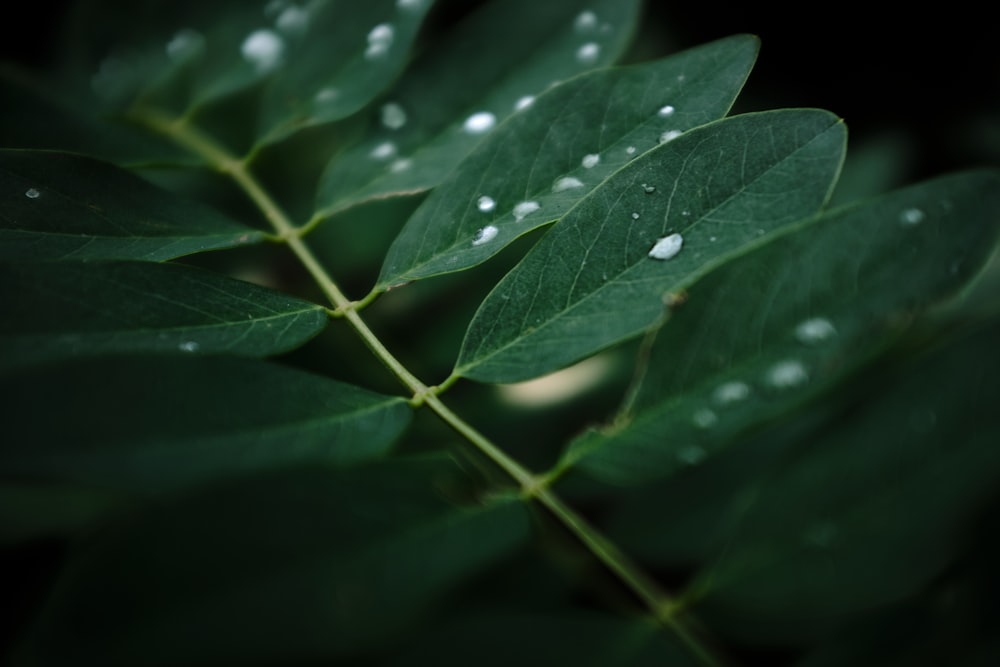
{"x":152,"y":423}
{"x":556,"y":151}
{"x":592,"y":281}
{"x":786,"y":322}
{"x":303,"y":567}
{"x":32,"y":511}
{"x":564,"y":638}
{"x":492,"y":63}
{"x":867,"y":513}
{"x":317,"y":61}
{"x":63,"y":206}
{"x":34,"y":117}
{"x":58,"y":310}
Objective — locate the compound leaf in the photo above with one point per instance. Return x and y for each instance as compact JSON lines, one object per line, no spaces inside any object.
{"x":540,"y":162}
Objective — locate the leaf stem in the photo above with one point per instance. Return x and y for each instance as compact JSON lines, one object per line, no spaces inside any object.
{"x":532,"y":486}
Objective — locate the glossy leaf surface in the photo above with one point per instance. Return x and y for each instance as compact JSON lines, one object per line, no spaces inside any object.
{"x":489,"y":65}
{"x":64,"y":206}
{"x":592,"y":282}
{"x":158,"y":422}
{"x":557,"y":150}
{"x":790,"y":320}
{"x":58,"y":310}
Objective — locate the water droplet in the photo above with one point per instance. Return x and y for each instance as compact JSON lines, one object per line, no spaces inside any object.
{"x":380,"y":40}
{"x":189,"y":346}
{"x":630,"y":150}
{"x":590,"y":161}
{"x":666,"y":111}
{"x":32,"y":193}
{"x":648,"y":189}
{"x":384,"y":151}
{"x":692,"y":455}
{"x":410,"y":4}
{"x":585,"y":21}
{"x":588,"y":53}
{"x":686,"y":213}
{"x":479,"y":122}
{"x":712,"y":239}
{"x":731,"y":392}
{"x":911,"y":216}
{"x":669,"y":135}
{"x":402,"y":164}
{"x":566,"y":183}
{"x":815,"y":330}
{"x":184,"y":44}
{"x":635,"y":216}
{"x":486,"y":204}
{"x":485,"y":235}
{"x":326,"y":95}
{"x":263,"y":49}
{"x":293,"y":20}
{"x":788,"y":373}
{"x":524,"y":209}
{"x":393,"y":116}
{"x":666,"y":247}
{"x":524,"y":102}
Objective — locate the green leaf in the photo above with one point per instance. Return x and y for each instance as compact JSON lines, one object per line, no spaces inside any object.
{"x":305,"y":567}
{"x":34,"y":117}
{"x":592,"y":282}
{"x":564,"y":638}
{"x":316,"y":62}
{"x":494,"y":61}
{"x":59,"y":310}
{"x":32,"y":511}
{"x":63,"y":206}
{"x":149,"y":423}
{"x":555,"y":152}
{"x":790,"y":320}
{"x":868,"y":513}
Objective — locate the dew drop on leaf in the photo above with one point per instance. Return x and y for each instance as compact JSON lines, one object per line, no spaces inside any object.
{"x":911,"y":216}
{"x":704,"y":418}
{"x":566,"y":183}
{"x":585,"y":21}
{"x":525,"y":208}
{"x":630,"y":150}
{"x":294,"y":20}
{"x":384,"y":150}
{"x":635,"y":216}
{"x":590,"y":161}
{"x":788,"y":373}
{"x":409,"y":4}
{"x":588,"y":53}
{"x":379,"y":40}
{"x":486,"y":204}
{"x":815,"y":330}
{"x":691,"y":455}
{"x":32,"y":193}
{"x":188,"y":346}
{"x":731,"y":392}
{"x":524,"y":102}
{"x":263,"y":49}
{"x":666,"y":247}
{"x":485,"y":235}
{"x":479,"y":122}
{"x":666,"y":111}
{"x":669,"y":135}
{"x":648,"y":189}
{"x":393,"y":115}
{"x":402,"y":164}
{"x":184,"y":44}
